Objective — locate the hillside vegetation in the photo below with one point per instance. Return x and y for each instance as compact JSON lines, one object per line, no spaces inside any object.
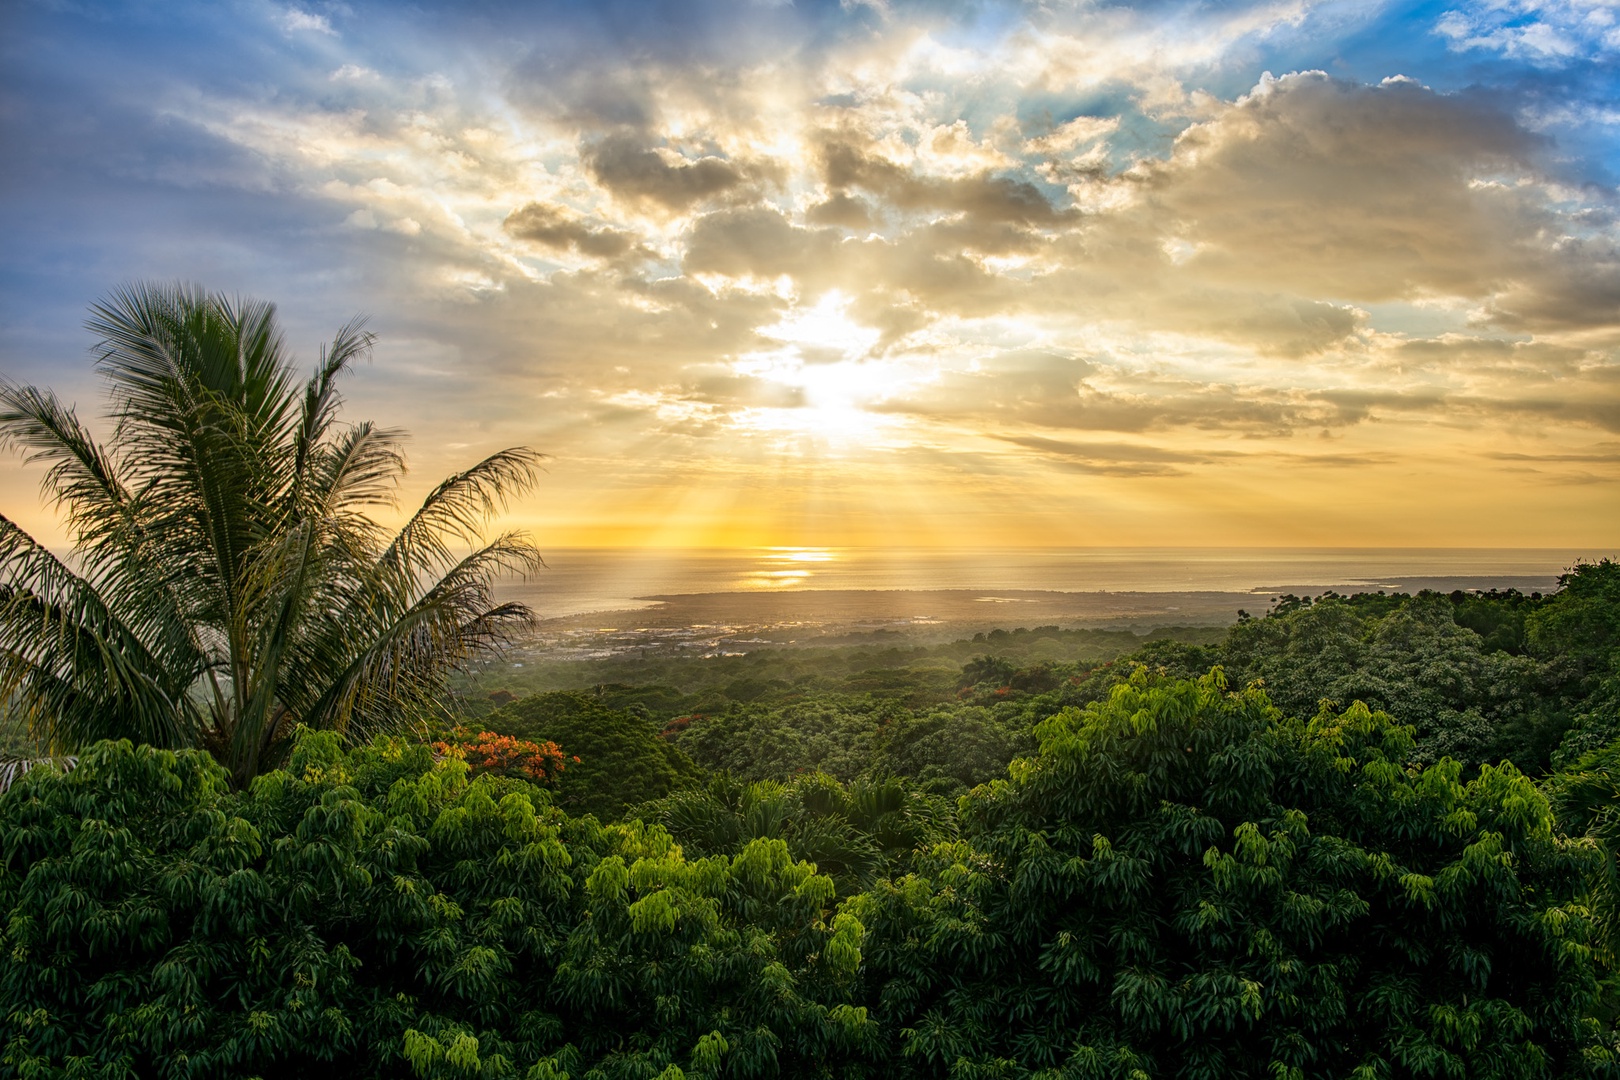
{"x":1367,"y":836}
{"x":1480,"y":678}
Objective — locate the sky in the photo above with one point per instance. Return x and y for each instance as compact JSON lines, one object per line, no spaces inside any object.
{"x":876,"y":273}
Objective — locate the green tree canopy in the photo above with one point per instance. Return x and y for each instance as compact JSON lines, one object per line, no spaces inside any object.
{"x":228,"y":582}
{"x":1184,"y":883}
{"x":1180,"y":883}
{"x":856,"y":833}
{"x":622,"y":759}
{"x":373,"y":913}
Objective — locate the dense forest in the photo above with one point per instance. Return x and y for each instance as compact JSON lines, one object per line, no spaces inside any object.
{"x":1479,"y":677}
{"x":1358,"y":836}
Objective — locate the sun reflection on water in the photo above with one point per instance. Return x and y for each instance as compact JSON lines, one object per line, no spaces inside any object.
{"x":784,"y":567}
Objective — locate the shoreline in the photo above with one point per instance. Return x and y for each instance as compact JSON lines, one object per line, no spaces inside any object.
{"x":995,"y":606}
{"x":734,"y":622}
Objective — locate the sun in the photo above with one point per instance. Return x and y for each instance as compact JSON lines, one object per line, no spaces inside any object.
{"x":830,"y":364}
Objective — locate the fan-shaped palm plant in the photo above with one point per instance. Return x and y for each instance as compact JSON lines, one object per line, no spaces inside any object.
{"x":229,"y":582}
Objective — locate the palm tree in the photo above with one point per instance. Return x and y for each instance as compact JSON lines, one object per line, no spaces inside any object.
{"x":228,"y":582}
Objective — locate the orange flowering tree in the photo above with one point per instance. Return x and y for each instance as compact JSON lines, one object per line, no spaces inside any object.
{"x":488,"y":752}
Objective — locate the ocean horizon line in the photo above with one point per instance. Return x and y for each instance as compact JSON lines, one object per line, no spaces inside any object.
{"x":1612,"y":550}
{"x":583,"y":580}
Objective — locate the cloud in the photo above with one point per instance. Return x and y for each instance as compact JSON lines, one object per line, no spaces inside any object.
{"x":1132,"y":459}
{"x":744,"y":391}
{"x":558,"y":228}
{"x":1366,"y":193}
{"x":1610,"y":458}
{"x":1064,"y":234}
{"x":843,"y":209}
{"x":757,"y":241}
{"x":296,"y":20}
{"x":1049,"y":390}
{"x":981,"y":196}
{"x":1572,"y":283}
{"x":628,"y":167}
{"x":1070,"y":135}
{"x":1111,"y":459}
{"x":1545,"y":32}
{"x":1353,"y":406}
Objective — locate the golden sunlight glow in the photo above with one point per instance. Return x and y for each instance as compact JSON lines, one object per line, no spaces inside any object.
{"x":827,"y":326}
{"x":826,"y":362}
{"x":784,"y":567}
{"x":921,"y":286}
{"x":801,"y":555}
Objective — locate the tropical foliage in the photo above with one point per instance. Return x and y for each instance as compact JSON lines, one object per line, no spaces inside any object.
{"x":1479,"y":677}
{"x":228,"y":583}
{"x":1180,"y":882}
{"x":622,"y":761}
{"x":374,"y":913}
{"x":858,"y":834}
{"x":487,"y":752}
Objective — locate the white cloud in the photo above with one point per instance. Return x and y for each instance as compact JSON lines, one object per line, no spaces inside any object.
{"x":1549,"y":32}
{"x":296,"y":20}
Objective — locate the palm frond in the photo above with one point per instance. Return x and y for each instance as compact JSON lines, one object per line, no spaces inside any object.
{"x":206,"y":418}
{"x":14,"y":769}
{"x":169,"y":349}
{"x":81,"y":477}
{"x":321,"y":399}
{"x":361,"y":467}
{"x":70,"y":665}
{"x":458,"y":509}
{"x":108,"y":524}
{"x":232,"y":581}
{"x":402,"y":663}
{"x":280,"y":586}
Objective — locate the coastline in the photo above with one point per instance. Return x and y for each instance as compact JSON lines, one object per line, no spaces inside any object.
{"x":731,"y":622}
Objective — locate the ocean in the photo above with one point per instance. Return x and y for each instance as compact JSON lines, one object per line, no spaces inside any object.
{"x":579,"y":582}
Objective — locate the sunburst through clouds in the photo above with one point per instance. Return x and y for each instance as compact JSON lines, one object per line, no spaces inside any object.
{"x":1298,"y":273}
